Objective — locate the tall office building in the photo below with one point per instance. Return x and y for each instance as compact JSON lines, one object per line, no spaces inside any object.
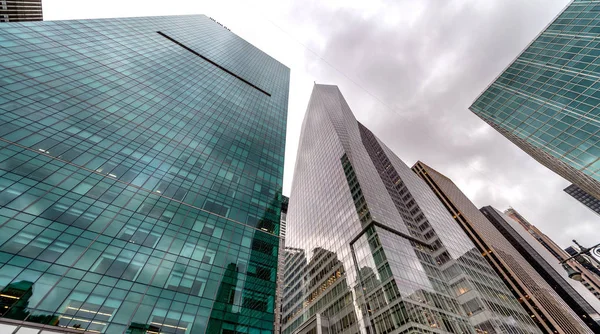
{"x":546,"y":102}
{"x":141,"y":165}
{"x":369,"y":248}
{"x":516,"y":216}
{"x":280,"y":263}
{"x":543,"y":262}
{"x":538,"y":235}
{"x":584,"y":198}
{"x":589,"y":278}
{"x":530,"y":287}
{"x":20,"y":10}
{"x":285,"y":201}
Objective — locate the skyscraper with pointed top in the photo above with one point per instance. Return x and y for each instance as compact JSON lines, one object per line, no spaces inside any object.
{"x":541,"y":290}
{"x":370,"y":249}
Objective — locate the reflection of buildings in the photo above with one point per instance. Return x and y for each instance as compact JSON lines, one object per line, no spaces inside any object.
{"x":396,"y":248}
{"x":227,"y":301}
{"x":316,"y":284}
{"x":487,"y":300}
{"x":151,"y":159}
{"x":136,"y":328}
{"x":483,"y":294}
{"x":14,"y":299}
{"x":240,"y":297}
{"x":584,"y":198}
{"x":589,"y":273}
{"x":293,"y":270}
{"x":546,"y":101}
{"x":535,"y":295}
{"x":14,"y":303}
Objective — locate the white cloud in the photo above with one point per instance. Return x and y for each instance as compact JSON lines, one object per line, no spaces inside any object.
{"x":427,"y":60}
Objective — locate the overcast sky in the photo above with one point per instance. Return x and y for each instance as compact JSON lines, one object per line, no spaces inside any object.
{"x":409,"y":70}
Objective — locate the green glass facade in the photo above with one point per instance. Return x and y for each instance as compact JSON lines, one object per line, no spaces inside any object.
{"x":141,"y":165}
{"x":547,"y":100}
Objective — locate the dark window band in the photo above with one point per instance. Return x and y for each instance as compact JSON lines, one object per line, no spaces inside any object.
{"x":212,"y":62}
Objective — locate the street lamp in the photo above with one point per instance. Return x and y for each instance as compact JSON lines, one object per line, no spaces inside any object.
{"x":574,"y":274}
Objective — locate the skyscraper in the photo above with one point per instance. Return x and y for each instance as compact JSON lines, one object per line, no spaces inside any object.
{"x":369,"y":248}
{"x":516,"y":216}
{"x":534,"y":293}
{"x":280,"y":263}
{"x":20,"y":10}
{"x":141,"y":165}
{"x":542,"y":261}
{"x":584,"y":198}
{"x":589,"y":278}
{"x":546,"y":102}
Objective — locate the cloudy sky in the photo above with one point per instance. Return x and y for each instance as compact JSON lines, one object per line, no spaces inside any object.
{"x":409,"y":70}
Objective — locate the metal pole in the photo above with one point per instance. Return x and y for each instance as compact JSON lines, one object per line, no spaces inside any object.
{"x":584,"y":250}
{"x":587,"y":251}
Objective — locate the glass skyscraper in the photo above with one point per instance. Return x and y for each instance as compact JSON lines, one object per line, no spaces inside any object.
{"x":546,"y":101}
{"x":141,"y":165}
{"x":584,"y":198}
{"x":542,"y":291}
{"x":369,"y":247}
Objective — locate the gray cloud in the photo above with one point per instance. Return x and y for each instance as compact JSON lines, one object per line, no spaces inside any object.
{"x":426,"y":59}
{"x":423,"y":69}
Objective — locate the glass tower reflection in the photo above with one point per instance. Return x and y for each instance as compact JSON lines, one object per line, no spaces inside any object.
{"x":141,"y":165}
{"x":535,"y":293}
{"x":369,"y":247}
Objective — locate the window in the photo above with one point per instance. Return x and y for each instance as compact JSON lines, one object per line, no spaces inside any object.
{"x":117,"y":267}
{"x":70,"y":215}
{"x":168,"y":325}
{"x":139,"y":236}
{"x":85,"y":315}
{"x":186,"y":283}
{"x":44,"y":248}
{"x":213,"y":207}
{"x":461,"y":287}
{"x":472,"y":307}
{"x":198,"y":252}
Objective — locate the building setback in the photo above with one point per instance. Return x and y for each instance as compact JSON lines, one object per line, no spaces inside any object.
{"x":546,"y":102}
{"x":141,"y":165}
{"x":369,"y":248}
{"x":584,"y":198}
{"x":536,"y":296}
{"x":20,"y":10}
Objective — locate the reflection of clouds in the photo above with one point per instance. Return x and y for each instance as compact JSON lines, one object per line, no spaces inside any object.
{"x":404,"y":264}
{"x":397,"y":60}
